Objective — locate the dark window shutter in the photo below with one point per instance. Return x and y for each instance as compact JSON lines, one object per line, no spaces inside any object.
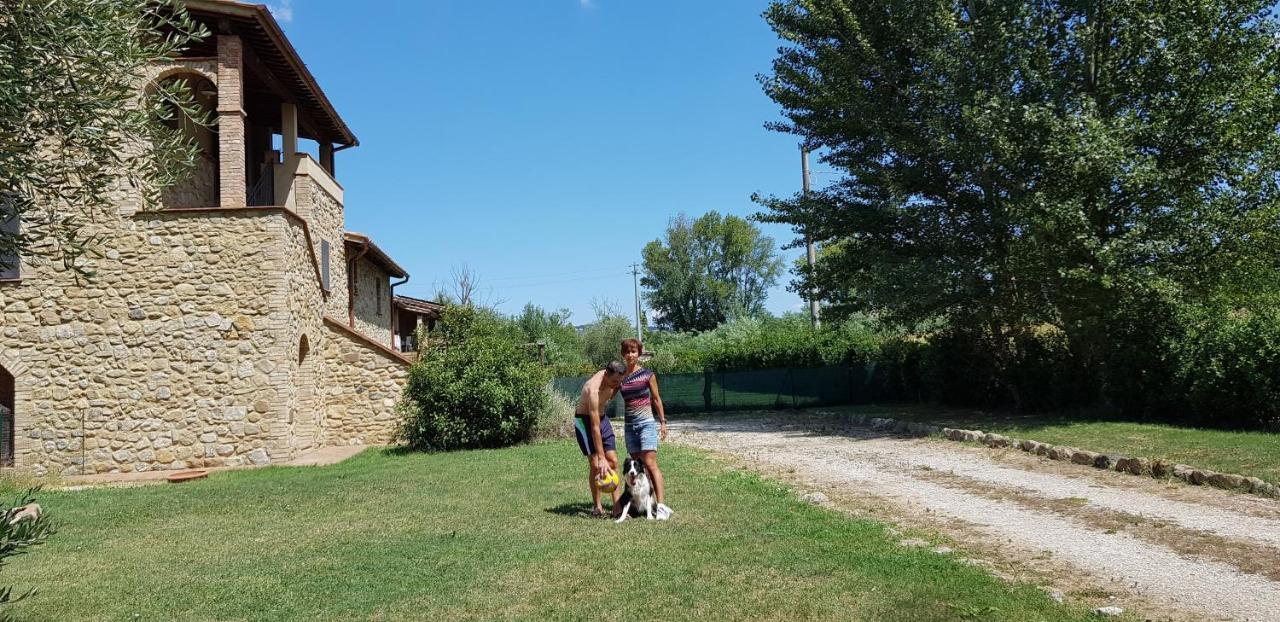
{"x":324,"y":264}
{"x":9,"y":262}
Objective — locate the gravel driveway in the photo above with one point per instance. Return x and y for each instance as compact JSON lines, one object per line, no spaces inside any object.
{"x":1035,"y":505}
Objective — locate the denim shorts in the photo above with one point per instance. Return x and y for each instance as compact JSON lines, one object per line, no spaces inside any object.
{"x":642,"y":435}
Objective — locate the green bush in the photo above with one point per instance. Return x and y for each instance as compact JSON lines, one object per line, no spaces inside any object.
{"x":561,"y":342}
{"x":555,"y":419}
{"x":898,"y":369}
{"x":958,"y":368}
{"x":762,"y":343}
{"x":1229,"y":365}
{"x":1163,"y":361}
{"x":1140,"y":375}
{"x":473,"y":386}
{"x":1046,"y":375}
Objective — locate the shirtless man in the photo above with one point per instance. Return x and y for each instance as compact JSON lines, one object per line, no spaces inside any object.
{"x":593,"y":430}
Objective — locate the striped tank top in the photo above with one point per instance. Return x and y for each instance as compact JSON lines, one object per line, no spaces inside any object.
{"x":635,"y":396}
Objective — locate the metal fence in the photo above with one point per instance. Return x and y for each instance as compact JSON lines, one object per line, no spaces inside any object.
{"x":713,"y":391}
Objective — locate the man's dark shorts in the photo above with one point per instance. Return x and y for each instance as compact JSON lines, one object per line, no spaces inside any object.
{"x":580,"y":425}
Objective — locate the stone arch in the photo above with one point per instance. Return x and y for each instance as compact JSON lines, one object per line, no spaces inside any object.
{"x":176,"y":70}
{"x":16,"y":399}
{"x":200,"y":189}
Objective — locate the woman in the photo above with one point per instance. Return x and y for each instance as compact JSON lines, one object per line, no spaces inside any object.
{"x":641,"y":398}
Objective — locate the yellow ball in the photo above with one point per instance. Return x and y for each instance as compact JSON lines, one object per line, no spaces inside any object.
{"x":608,"y":483}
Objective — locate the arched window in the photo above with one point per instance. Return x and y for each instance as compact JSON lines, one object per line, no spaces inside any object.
{"x":304,"y":348}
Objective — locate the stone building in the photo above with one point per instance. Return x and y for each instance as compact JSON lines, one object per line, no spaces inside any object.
{"x":239,"y":323}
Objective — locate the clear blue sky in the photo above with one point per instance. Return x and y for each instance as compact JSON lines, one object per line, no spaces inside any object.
{"x":543,"y":143}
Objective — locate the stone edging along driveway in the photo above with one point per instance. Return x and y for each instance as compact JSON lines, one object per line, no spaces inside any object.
{"x":1122,"y":464}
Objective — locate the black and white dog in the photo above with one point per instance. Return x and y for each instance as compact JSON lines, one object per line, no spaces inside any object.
{"x":637,"y":498}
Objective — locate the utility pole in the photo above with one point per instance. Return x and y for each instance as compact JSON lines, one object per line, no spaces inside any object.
{"x":635,"y":280}
{"x":808,"y":242}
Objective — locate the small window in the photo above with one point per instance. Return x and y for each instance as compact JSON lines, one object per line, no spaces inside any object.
{"x":324,"y":264}
{"x":9,"y":262}
{"x":379,"y":297}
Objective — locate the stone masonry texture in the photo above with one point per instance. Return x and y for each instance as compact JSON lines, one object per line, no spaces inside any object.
{"x":372,"y":304}
{"x":200,"y":341}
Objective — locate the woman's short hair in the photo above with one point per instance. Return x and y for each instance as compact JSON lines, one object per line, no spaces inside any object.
{"x":633,"y":342}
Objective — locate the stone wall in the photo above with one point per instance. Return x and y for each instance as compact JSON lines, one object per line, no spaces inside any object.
{"x":372,"y":320}
{"x":161,"y":361}
{"x":199,"y":189}
{"x":186,"y":348}
{"x":306,"y":334}
{"x":324,"y":214}
{"x":364,"y":383}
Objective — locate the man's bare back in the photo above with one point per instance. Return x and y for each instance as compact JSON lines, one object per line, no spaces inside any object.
{"x":595,"y":388}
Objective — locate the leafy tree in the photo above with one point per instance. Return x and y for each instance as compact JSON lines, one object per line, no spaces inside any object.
{"x":1011,"y":163}
{"x":553,"y":329}
{"x":708,"y":270}
{"x":72,"y":125}
{"x":602,"y":340}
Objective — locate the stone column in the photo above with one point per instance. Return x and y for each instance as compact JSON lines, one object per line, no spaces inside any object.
{"x":232,"y":182}
{"x":286,"y":189}
{"x":289,"y":131}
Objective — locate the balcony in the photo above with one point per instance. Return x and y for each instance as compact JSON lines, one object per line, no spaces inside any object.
{"x":264,"y":101}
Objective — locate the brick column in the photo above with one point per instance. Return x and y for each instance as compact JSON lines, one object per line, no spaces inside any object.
{"x":232,"y":182}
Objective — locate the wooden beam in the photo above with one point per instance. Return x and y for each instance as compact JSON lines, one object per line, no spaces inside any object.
{"x":259,"y":68}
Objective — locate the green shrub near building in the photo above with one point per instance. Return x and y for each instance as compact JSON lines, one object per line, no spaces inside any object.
{"x":474,"y":386}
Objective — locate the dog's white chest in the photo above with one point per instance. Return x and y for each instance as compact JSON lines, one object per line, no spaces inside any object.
{"x":641,"y":492}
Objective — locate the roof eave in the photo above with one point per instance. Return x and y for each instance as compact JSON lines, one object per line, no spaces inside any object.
{"x":272,"y":29}
{"x":376,"y":254}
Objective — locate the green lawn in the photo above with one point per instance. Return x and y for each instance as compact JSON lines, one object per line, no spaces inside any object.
{"x":1245,"y":453}
{"x":486,"y":535}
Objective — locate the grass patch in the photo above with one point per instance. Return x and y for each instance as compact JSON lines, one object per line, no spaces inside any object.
{"x":1246,"y":453}
{"x":482,"y":535}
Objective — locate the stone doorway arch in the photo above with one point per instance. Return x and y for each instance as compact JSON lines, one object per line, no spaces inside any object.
{"x":7,"y":388}
{"x":14,"y":412}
